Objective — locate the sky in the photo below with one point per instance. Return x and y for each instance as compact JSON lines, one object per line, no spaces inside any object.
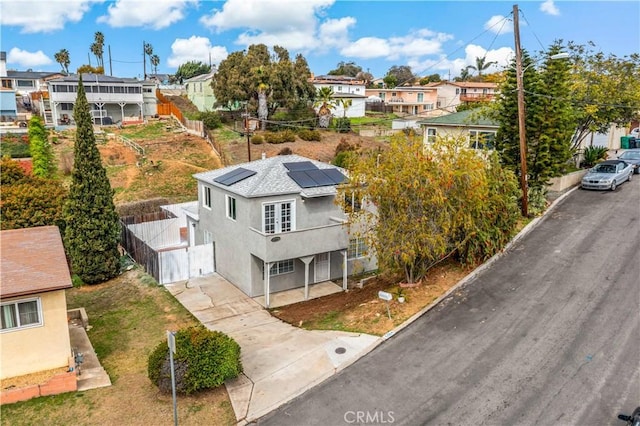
{"x":432,"y":37}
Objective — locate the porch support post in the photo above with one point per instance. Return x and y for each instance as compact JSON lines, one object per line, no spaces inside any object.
{"x":344,"y":270}
{"x":307,"y":260}
{"x":267,"y":269}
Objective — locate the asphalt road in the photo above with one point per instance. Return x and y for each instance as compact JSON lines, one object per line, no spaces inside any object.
{"x":548,"y":335}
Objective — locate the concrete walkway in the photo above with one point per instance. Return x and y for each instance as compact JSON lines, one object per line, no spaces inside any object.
{"x":280,"y":361}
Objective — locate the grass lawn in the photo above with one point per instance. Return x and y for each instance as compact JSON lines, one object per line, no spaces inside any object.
{"x":129,"y":316}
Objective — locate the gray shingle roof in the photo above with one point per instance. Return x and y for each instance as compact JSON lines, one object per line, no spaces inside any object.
{"x":463,"y":118}
{"x":271,"y":178}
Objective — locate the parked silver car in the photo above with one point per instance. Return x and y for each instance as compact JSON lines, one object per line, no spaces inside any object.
{"x":607,"y":175}
{"x":631,"y":156}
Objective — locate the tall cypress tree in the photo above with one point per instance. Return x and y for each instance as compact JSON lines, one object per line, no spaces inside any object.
{"x":93,"y":230}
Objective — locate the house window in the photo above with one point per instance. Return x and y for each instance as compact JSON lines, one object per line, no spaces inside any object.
{"x":231,"y":207}
{"x":481,"y":140}
{"x":420,"y":97}
{"x":352,"y":202}
{"x":427,"y":107}
{"x":281,"y":267}
{"x":457,"y":91}
{"x":431,"y":135}
{"x":21,"y":314}
{"x":357,"y":248}
{"x":278,"y":217}
{"x":25,"y":83}
{"x":7,"y":83}
{"x":66,"y":106}
{"x":207,"y":237}
{"x":381,"y":95}
{"x":206,"y":195}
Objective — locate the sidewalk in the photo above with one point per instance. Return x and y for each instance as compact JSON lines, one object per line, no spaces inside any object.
{"x":280,"y":361}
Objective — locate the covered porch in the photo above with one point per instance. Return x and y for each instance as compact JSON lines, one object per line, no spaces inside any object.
{"x":295,"y":295}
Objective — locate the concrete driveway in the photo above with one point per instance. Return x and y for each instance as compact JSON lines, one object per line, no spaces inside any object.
{"x":280,"y":361}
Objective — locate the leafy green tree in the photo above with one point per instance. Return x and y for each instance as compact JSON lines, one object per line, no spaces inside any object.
{"x":41,"y":152}
{"x":62,"y":57}
{"x":88,"y":69}
{"x":431,"y":203}
{"x":191,"y":69}
{"x":549,"y":119}
{"x":402,"y":73}
{"x":93,"y":228}
{"x":604,"y":90}
{"x":433,"y":78}
{"x":464,"y":75}
{"x":365,"y":76}
{"x":346,"y":68}
{"x":390,"y":81}
{"x":32,"y":201}
{"x":258,"y":78}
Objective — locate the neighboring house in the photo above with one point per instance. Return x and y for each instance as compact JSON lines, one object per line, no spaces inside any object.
{"x":112,"y":99}
{"x":200,"y":92}
{"x":408,"y":100}
{"x":35,"y":332}
{"x":452,"y":93}
{"x":8,"y":107}
{"x":275,"y":225}
{"x":343,"y":87}
{"x":480,"y":132}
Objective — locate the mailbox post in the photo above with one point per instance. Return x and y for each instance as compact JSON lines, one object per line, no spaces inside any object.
{"x":387,"y":297}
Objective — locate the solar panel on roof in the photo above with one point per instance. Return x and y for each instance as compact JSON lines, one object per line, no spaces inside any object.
{"x":320,"y":177}
{"x":302,"y":179}
{"x":335,"y":175}
{"x":234,"y":176}
{"x":299,"y":166}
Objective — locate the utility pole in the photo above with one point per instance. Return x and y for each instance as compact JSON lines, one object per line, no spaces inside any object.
{"x":110,"y":65}
{"x":246,"y":130}
{"x":144,"y":61}
{"x":521,"y":114}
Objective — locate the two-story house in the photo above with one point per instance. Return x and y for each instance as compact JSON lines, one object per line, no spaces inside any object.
{"x":200,"y":91}
{"x":345,"y":88}
{"x":112,"y":99}
{"x":408,"y":100}
{"x":453,"y":93}
{"x":275,"y":225}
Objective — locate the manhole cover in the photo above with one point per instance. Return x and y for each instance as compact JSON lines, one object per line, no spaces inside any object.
{"x":340,"y":350}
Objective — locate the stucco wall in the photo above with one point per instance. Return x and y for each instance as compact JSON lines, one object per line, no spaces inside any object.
{"x":45,"y":347}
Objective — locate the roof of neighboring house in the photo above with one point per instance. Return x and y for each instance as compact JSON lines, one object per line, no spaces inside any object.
{"x":31,"y":75}
{"x":271,"y":178}
{"x":88,"y":78}
{"x":32,"y":261}
{"x":403,"y":89}
{"x":347,"y":95}
{"x":201,"y":77}
{"x":458,"y":119}
{"x":466,"y":84}
{"x":334,"y":79}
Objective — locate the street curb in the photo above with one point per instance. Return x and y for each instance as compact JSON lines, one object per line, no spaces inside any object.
{"x":473,"y":274}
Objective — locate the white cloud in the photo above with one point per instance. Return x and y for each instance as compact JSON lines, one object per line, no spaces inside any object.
{"x":335,"y":32}
{"x":27,"y":59}
{"x":135,"y":13}
{"x":367,"y":48}
{"x":550,"y":8}
{"x":498,"y":24}
{"x":445,"y":66}
{"x":195,"y":49}
{"x":34,"y":18}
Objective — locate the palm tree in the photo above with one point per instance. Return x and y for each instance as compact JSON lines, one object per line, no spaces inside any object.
{"x":481,"y":65}
{"x":345,"y":104}
{"x":62,"y":57}
{"x":326,"y":102}
{"x":97,"y":48}
{"x":155,"y":61}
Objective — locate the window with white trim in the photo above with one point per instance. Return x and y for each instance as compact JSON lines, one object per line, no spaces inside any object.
{"x":420,"y":97}
{"x":431,"y":135}
{"x":481,"y":139}
{"x":207,"y":237}
{"x":21,"y":314}
{"x":206,"y":197}
{"x":357,"y":248}
{"x":231,"y":207}
{"x":278,"y":217}
{"x":427,"y":107}
{"x":281,"y":267}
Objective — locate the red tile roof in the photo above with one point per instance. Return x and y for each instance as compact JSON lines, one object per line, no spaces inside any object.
{"x":32,"y":260}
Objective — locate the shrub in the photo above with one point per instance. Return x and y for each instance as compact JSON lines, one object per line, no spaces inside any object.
{"x":11,"y":172}
{"x":309,"y":135}
{"x":257,"y":140}
{"x":280,"y":137}
{"x":204,"y":359}
{"x":288,"y":136}
{"x":592,"y":154}
{"x":342,"y":124}
{"x":211,"y":120}
{"x":285,"y":151}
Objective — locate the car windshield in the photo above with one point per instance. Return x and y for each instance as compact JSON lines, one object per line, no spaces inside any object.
{"x":630,"y":155}
{"x":604,"y":168}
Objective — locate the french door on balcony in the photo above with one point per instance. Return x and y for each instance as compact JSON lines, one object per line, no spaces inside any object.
{"x":278,"y":217}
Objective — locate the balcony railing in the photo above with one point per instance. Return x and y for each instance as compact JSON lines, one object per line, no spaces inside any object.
{"x":476,"y":97}
{"x":299,"y":243}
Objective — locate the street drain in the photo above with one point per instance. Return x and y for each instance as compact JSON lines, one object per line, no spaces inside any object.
{"x":340,"y":350}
